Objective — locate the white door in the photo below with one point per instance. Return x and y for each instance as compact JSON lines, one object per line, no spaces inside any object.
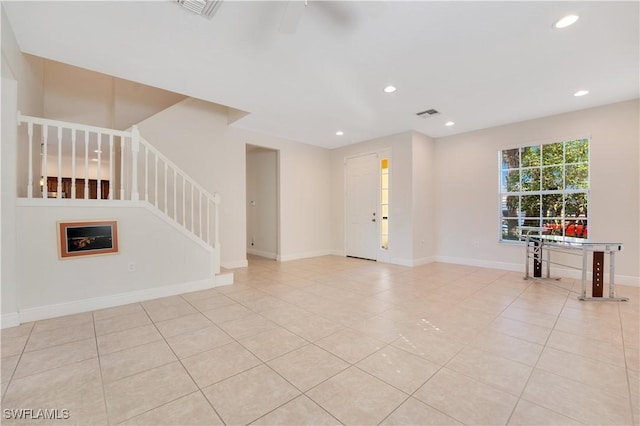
{"x":362,"y":188}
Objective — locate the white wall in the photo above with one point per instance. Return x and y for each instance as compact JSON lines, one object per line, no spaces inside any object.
{"x":424,"y":236}
{"x":401,"y":205}
{"x":21,"y":90}
{"x":161,"y":254}
{"x":195,"y":135}
{"x":262,"y":202}
{"x":8,"y":270}
{"x":467,"y":185}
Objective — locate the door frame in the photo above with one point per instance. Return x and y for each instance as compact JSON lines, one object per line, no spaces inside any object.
{"x":381,"y":255}
{"x":277,"y":197}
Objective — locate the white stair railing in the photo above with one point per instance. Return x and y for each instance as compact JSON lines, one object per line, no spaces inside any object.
{"x":88,"y":162}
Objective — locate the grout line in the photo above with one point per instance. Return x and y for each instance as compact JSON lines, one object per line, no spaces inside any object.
{"x":164,"y":339}
{"x":104,"y":393}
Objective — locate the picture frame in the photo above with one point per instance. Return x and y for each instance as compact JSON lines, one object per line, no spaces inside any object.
{"x":87,"y":238}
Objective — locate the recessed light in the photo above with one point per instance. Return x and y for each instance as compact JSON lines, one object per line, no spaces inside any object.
{"x":339,"y":133}
{"x":581,"y":93}
{"x":97,"y":151}
{"x":566,"y":21}
{"x":390,"y":89}
{"x":94,"y":159}
{"x":449,"y":123}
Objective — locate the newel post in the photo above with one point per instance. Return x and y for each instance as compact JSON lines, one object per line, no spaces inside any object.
{"x":135,"y":148}
{"x":216,"y":230}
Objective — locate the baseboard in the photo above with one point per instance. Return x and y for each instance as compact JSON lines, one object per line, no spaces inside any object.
{"x":424,"y":261}
{"x":9,"y":320}
{"x":519,"y":267}
{"x":223,"y":279}
{"x":87,"y":305}
{"x":296,"y":256}
{"x":267,"y":254}
{"x":481,"y":263}
{"x":337,"y":253}
{"x":234,"y":264}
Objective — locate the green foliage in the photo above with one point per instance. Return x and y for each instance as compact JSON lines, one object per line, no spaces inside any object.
{"x":556,"y":176}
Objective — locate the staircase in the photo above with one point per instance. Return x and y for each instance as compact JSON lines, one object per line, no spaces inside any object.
{"x":69,"y":162}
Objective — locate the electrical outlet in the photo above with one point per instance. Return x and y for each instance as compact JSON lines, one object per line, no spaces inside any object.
{"x":131,"y":267}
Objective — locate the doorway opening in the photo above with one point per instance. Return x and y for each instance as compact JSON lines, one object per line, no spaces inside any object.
{"x":263,"y":212}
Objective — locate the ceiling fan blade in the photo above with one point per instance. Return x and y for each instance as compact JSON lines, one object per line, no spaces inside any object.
{"x":292,"y":16}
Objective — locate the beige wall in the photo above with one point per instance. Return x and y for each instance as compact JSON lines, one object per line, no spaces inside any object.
{"x":467,"y":204}
{"x":81,"y":96}
{"x":424,"y":236}
{"x":21,"y":91}
{"x":194,"y":134}
{"x":50,"y":286}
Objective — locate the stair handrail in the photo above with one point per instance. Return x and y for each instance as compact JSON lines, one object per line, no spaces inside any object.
{"x":135,"y":140}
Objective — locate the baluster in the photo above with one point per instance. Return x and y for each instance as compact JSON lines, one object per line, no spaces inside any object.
{"x":208,"y":226}
{"x":59,"y":187}
{"x":99,"y":171}
{"x":45,"y":156}
{"x":30,"y":182}
{"x":123,"y":145}
{"x":216,"y":222}
{"x":135,"y":148}
{"x":191,"y":206}
{"x":184,"y":202}
{"x":87,"y":135}
{"x":200,"y":214}
{"x":73,"y":164}
{"x":156,"y":180}
{"x":111,"y":171}
{"x":166,"y":199}
{"x":146,"y":173}
{"x":175,"y":198}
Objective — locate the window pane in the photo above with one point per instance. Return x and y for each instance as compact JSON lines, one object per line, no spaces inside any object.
{"x":531,"y":156}
{"x":577,"y":176}
{"x":384,"y":196}
{"x":511,"y":181}
{"x":553,"y":227}
{"x":384,"y":184}
{"x":552,"y":154}
{"x":511,"y":159}
{"x":576,"y":228}
{"x":510,"y":229}
{"x":577,"y":151}
{"x":531,"y":206}
{"x":576,"y":205}
{"x":531,"y":179}
{"x":510,"y":206}
{"x":545,"y":186}
{"x":552,"y":205}
{"x":552,"y":178}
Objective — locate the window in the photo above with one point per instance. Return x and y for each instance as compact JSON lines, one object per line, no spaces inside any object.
{"x":545,"y":186}
{"x":384,"y":204}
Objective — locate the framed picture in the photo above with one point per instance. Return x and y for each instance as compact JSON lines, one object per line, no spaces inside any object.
{"x":89,"y":238}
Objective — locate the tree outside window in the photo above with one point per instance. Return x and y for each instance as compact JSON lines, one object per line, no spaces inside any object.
{"x":545,"y":186}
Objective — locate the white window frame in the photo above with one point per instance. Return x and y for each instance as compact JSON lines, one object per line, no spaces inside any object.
{"x":503,"y":193}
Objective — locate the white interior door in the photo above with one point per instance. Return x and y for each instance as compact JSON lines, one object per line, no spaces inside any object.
{"x":362,"y":199}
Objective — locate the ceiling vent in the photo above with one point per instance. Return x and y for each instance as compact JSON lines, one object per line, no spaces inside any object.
{"x":427,"y":113}
{"x":204,"y":8}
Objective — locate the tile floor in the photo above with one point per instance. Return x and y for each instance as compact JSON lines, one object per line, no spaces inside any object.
{"x":332,"y":340}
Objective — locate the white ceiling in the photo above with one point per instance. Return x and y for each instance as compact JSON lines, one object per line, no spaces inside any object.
{"x":481,"y":64}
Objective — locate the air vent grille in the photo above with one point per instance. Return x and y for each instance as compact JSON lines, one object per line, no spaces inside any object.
{"x":201,"y":7}
{"x":428,"y":113}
